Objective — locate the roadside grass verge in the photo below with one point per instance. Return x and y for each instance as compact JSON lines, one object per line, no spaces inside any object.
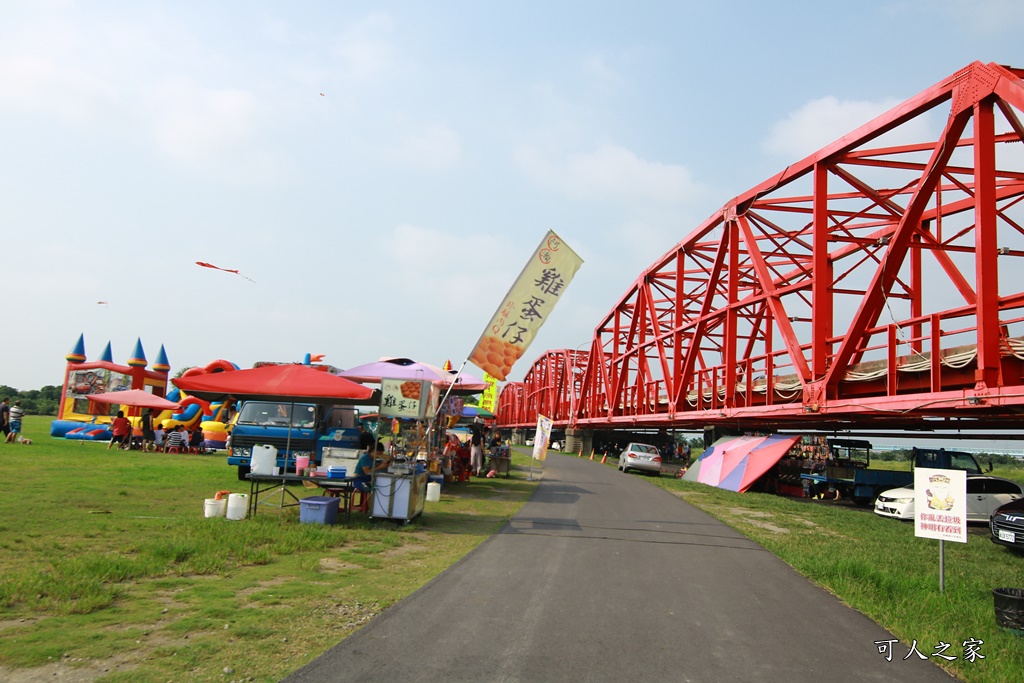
{"x":108,"y":566}
{"x":877,"y":566}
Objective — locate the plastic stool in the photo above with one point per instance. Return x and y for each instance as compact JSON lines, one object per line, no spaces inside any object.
{"x":173,"y":449}
{"x":362,"y":503}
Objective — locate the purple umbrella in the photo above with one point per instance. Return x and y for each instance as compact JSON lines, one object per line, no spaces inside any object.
{"x":407,"y":369}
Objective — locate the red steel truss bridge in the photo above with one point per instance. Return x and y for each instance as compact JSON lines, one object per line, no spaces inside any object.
{"x":876,"y":284}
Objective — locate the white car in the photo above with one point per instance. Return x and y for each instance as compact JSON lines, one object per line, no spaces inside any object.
{"x":984,"y":495}
{"x":640,"y":456}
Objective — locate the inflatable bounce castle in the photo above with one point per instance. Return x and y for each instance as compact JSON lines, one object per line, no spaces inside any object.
{"x":77,"y":419}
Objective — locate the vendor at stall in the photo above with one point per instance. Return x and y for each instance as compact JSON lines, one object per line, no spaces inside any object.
{"x":367,"y":465}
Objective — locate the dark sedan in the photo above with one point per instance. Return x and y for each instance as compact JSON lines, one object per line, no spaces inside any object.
{"x":1007,"y":525}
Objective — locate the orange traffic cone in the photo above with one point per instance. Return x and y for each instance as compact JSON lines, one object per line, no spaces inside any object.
{"x":591,"y":455}
{"x":604,"y":458}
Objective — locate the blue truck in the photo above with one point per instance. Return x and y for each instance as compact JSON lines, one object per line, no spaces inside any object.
{"x":849,"y":472}
{"x":320,"y":432}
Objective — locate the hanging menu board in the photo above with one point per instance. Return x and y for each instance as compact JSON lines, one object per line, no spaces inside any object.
{"x":410,"y":399}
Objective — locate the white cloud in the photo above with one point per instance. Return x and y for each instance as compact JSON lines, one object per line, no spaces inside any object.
{"x":213,"y":131}
{"x":819,"y":123}
{"x":434,"y":147}
{"x":464,"y":274}
{"x":597,"y":69}
{"x":39,"y":71}
{"x":608,"y":172}
{"x":365,"y":51}
{"x":987,"y":17}
{"x":195,"y":121}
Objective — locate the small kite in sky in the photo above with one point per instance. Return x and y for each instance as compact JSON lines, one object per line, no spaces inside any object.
{"x":102,"y":303}
{"x":321,"y":94}
{"x":226,"y":270}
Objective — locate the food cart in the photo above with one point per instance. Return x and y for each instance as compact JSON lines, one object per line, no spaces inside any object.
{"x":399,"y":493}
{"x":398,"y":496}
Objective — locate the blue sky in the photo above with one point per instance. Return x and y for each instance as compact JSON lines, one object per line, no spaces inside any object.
{"x":383,"y":170}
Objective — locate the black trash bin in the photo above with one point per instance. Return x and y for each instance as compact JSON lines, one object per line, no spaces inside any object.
{"x":1009,"y":606}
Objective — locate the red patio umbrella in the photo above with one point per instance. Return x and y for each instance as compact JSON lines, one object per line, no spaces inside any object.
{"x":292,"y":383}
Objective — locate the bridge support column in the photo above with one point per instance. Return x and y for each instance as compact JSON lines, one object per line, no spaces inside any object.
{"x":579,"y":440}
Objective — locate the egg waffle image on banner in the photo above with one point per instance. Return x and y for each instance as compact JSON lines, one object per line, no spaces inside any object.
{"x":496,"y":356}
{"x":411,"y":390}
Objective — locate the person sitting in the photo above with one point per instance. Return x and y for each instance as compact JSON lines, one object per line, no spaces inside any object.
{"x":158,"y":438}
{"x":197,"y":441}
{"x":175,"y":439}
{"x":366,"y":466}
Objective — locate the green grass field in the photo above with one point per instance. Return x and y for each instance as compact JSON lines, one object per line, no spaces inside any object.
{"x":107,"y":566}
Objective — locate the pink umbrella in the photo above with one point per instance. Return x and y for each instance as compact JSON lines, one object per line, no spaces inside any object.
{"x":758,"y":460}
{"x":735,"y":463}
{"x":134,"y":398}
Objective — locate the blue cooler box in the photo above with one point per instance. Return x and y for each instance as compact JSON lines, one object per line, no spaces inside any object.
{"x":318,"y":510}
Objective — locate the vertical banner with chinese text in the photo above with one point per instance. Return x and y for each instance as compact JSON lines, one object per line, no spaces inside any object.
{"x":526,"y":306}
{"x":540,"y":441}
{"x":489,"y":399}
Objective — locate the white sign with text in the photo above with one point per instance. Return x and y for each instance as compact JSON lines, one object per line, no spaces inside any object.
{"x":940,"y":504}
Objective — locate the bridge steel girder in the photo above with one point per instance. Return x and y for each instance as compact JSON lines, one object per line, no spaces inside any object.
{"x":874,"y":284}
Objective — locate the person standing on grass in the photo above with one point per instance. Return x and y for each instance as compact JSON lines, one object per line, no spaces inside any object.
{"x":148,"y":437}
{"x":121,"y":431}
{"x":5,"y":412}
{"x":476,"y":446}
{"x":14,"y":417}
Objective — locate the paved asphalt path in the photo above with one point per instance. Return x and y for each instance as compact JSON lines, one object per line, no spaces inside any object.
{"x":603,"y":576}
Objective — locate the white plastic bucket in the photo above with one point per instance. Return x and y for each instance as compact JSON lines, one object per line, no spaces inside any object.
{"x":264,"y":458}
{"x":238,"y":506}
{"x":215,"y":508}
{"x":433,"y":492}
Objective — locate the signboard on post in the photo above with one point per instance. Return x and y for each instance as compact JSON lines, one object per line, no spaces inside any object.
{"x":416,"y":400}
{"x":940,"y":504}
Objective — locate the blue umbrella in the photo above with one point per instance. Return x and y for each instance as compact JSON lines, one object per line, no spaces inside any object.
{"x":477,"y":411}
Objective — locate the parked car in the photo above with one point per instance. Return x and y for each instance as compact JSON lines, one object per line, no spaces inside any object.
{"x":640,"y":456}
{"x":529,"y":442}
{"x":1007,"y":525}
{"x":984,"y":494}
{"x":556,"y":445}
